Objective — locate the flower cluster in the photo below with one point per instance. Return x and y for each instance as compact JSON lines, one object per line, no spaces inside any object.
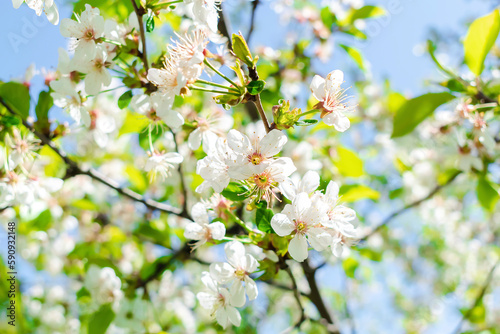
{"x":252,"y":161}
{"x":227,"y":283}
{"x":314,"y":218}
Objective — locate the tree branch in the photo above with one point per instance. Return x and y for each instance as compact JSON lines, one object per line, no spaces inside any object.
{"x":296,"y":293}
{"x":255,"y":3}
{"x":181,"y":175}
{"x":478,"y":299}
{"x":140,"y":12}
{"x":74,"y":169}
{"x":409,"y":206}
{"x":221,"y":25}
{"x":316,"y":299}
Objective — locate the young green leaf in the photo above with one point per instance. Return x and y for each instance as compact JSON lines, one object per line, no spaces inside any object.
{"x":17,"y":97}
{"x":414,"y":111}
{"x":486,"y":194}
{"x":235,"y":192}
{"x":241,"y":50}
{"x":124,"y":99}
{"x":263,"y":217}
{"x":101,"y":319}
{"x":355,"y":55}
{"x":480,"y":38}
{"x":256,"y":87}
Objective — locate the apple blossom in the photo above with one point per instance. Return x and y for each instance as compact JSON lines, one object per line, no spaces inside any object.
{"x":156,"y":108}
{"x":331,"y":99}
{"x":162,"y":163}
{"x":217,"y":300}
{"x":66,"y":96}
{"x":235,"y":272}
{"x":303,"y":219}
{"x":88,"y":28}
{"x":201,"y":229}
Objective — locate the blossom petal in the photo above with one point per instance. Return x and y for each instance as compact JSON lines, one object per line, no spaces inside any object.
{"x":298,"y":248}
{"x":251,"y":288}
{"x":309,"y":183}
{"x":233,"y":315}
{"x":200,"y":214}
{"x":194,"y":140}
{"x":318,"y":87}
{"x":282,"y":225}
{"x":222,"y":272}
{"x":272,"y":143}
{"x":235,"y":252}
{"x":237,"y":294}
{"x":238,"y":142}
{"x":217,"y":230}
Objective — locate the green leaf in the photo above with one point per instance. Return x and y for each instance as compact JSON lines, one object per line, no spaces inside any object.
{"x":101,"y":319}
{"x":306,"y":122}
{"x":124,"y":99}
{"x":355,"y":55}
{"x":150,"y":23}
{"x":327,"y":17}
{"x":414,"y":111}
{"x":263,"y":217}
{"x":480,"y":38}
{"x":133,"y":123}
{"x":454,"y":85}
{"x":137,"y":178}
{"x":45,"y":102}
{"x":486,"y":194}
{"x":56,"y":166}
{"x":256,"y":87}
{"x":350,"y":265}
{"x":241,"y":50}
{"x":17,"y":97}
{"x":364,"y":12}
{"x":355,"y":192}
{"x":348,"y":163}
{"x":235,"y":192}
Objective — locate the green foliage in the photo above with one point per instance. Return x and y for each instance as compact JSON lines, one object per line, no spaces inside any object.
{"x":101,"y":319}
{"x":263,"y":217}
{"x":355,"y":54}
{"x":480,"y":38}
{"x":235,"y":192}
{"x":414,"y":111}
{"x":17,"y":97}
{"x":241,"y":50}
{"x":487,"y":195}
{"x":133,"y":123}
{"x":256,"y":87}
{"x":124,"y":99}
{"x":364,"y":12}
{"x":45,"y":102}
{"x":348,"y":163}
{"x":350,"y":265}
{"x":356,"y":192}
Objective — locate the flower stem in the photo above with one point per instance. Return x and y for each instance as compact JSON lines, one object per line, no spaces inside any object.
{"x":217,"y":85}
{"x":312,"y":111}
{"x":165,"y":4}
{"x":219,"y":73}
{"x":239,"y":221}
{"x":150,"y":139}
{"x":201,"y":89}
{"x":245,"y":241}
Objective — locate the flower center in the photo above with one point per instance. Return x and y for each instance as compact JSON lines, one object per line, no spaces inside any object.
{"x":240,"y":273}
{"x":89,"y":34}
{"x":256,"y":158}
{"x":263,"y":180}
{"x":300,"y":227}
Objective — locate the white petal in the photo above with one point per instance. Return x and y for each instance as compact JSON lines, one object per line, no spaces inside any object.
{"x":281,"y":225}
{"x":221,"y":317}
{"x":335,"y":78}
{"x":301,"y":204}
{"x":272,"y":143}
{"x":342,"y":123}
{"x":235,"y":252}
{"x":298,"y":248}
{"x":310,"y":182}
{"x":194,"y":231}
{"x":194,"y":140}
{"x":238,"y":142}
{"x":319,"y":238}
{"x":207,"y":300}
{"x":332,"y":191}
{"x":233,"y":315}
{"x":222,"y":272}
{"x":288,"y":189}
{"x":318,"y":87}
{"x":217,"y":230}
{"x":173,"y":157}
{"x":237,"y":294}
{"x":251,"y":288}
{"x":199,"y":213}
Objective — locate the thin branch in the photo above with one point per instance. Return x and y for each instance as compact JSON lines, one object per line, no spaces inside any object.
{"x":296,"y":293}
{"x":255,"y":3}
{"x":409,"y":206}
{"x":221,"y":25}
{"x":74,"y":169}
{"x":478,"y":299}
{"x":183,"y":182}
{"x":316,"y":298}
{"x":140,"y":12}
{"x":347,"y":309}
{"x":262,"y":113}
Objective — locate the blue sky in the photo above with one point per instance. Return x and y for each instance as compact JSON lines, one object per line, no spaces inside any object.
{"x":390,"y":49}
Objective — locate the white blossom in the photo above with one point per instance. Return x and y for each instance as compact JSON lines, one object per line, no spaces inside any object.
{"x":162,"y":163}
{"x":201,"y":229}
{"x":236,"y":271}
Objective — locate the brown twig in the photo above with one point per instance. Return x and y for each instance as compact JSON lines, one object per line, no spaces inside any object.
{"x":262,"y":113}
{"x":221,"y":25}
{"x":409,"y":206}
{"x":255,"y":3}
{"x":316,"y":298}
{"x":139,"y":11}
{"x":74,"y":169}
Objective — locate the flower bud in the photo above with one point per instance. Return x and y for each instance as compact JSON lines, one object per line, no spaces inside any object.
{"x":284,"y":118}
